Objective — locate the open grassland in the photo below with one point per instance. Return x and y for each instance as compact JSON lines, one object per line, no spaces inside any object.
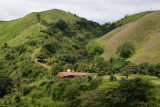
{"x":153,"y":79}
{"x":144,"y":33}
{"x":132,"y":18}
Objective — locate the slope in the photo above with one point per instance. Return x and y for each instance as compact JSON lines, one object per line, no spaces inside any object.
{"x":143,"y":33}
{"x":10,"y":29}
{"x":56,"y":33}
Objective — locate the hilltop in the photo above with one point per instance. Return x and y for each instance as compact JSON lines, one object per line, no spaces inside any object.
{"x":52,"y":33}
{"x":142,"y":32}
{"x":12,"y":29}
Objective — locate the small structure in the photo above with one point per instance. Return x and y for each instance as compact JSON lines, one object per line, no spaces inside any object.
{"x":70,"y":74}
{"x":68,"y":70}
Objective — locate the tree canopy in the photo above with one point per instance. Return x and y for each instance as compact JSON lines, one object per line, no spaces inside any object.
{"x":125,"y":50}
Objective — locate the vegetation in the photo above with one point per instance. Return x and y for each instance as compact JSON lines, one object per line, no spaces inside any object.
{"x":125,"y":50}
{"x":34,"y":49}
{"x":141,"y":32}
{"x":5,"y":85}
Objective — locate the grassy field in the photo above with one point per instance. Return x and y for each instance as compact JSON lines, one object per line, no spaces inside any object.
{"x":132,"y":18}
{"x":153,"y":79}
{"x":143,"y":33}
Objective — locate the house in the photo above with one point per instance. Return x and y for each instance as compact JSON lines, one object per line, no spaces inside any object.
{"x":70,"y":74}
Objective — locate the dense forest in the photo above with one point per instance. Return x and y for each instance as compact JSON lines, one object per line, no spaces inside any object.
{"x":28,"y":71}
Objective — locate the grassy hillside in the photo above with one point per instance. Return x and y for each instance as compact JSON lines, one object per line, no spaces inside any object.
{"x":143,"y":33}
{"x":132,"y":18}
{"x":12,"y":29}
{"x":52,"y":32}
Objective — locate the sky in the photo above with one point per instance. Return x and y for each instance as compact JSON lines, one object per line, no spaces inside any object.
{"x":100,"y":11}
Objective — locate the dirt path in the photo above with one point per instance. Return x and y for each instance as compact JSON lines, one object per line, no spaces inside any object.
{"x":33,"y":55}
{"x":36,"y":60}
{"x":33,"y":58}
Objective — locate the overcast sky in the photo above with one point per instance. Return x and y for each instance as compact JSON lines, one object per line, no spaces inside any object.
{"x":97,"y":10}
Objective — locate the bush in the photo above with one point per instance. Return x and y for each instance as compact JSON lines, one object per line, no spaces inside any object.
{"x":5,"y":84}
{"x":85,"y":86}
{"x":91,"y":99}
{"x":68,"y":58}
{"x":26,"y":90}
{"x":125,"y":50}
{"x":94,"y":47}
{"x":62,"y":25}
{"x":112,"y":78}
{"x":71,"y":91}
{"x":41,"y":56}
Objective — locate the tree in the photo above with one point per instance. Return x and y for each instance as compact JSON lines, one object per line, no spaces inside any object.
{"x":5,"y":84}
{"x":56,"y":68}
{"x":70,"y":94}
{"x":91,"y":99}
{"x":112,"y":77}
{"x":125,"y":50}
{"x":126,"y":73}
{"x":26,"y":90}
{"x":94,"y":47}
{"x":38,"y":17}
{"x":61,"y":24}
{"x":132,"y":92}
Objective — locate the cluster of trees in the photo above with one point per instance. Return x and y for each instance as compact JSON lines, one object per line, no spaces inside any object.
{"x":125,"y":50}
{"x":6,"y":84}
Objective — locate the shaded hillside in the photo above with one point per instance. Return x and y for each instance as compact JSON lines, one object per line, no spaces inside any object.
{"x":143,"y":33}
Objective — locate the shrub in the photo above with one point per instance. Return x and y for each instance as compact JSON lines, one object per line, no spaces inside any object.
{"x":125,"y":50}
{"x":5,"y":84}
{"x":62,"y":25}
{"x":26,"y":90}
{"x":112,"y":78}
{"x":91,"y":99}
{"x":94,"y":47}
{"x":85,"y":86}
{"x":41,"y":56}
{"x":71,"y":92}
{"x":17,"y":98}
{"x":38,"y":17}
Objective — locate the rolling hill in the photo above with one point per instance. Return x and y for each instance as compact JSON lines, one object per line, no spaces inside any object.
{"x":52,"y":32}
{"x":143,"y":32}
{"x":16,"y":28}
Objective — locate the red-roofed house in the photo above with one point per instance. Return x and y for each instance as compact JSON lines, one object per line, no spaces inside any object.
{"x":74,"y":74}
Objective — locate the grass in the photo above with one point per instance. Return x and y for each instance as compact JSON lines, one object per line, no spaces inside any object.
{"x":132,"y":18}
{"x":143,"y":32}
{"x":54,"y":15}
{"x":12,"y":29}
{"x":153,"y":79}
{"x":33,"y":33}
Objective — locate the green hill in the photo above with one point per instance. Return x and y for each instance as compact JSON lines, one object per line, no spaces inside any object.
{"x":53,"y":32}
{"x":12,"y":29}
{"x":143,"y":33}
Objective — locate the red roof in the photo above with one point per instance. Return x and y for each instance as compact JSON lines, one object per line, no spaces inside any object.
{"x":73,"y":74}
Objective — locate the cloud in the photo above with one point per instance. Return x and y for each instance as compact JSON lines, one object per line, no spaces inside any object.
{"x":96,"y":10}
